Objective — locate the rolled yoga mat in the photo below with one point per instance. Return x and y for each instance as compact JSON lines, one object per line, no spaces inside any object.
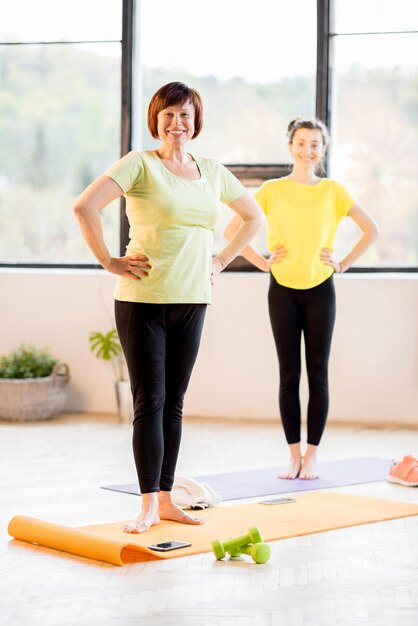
{"x":264,"y":482}
{"x":310,"y":513}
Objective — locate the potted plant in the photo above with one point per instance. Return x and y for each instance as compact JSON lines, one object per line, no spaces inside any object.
{"x":107,"y":347}
{"x":33,"y":384}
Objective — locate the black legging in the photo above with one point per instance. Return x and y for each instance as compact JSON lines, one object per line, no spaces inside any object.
{"x":311,"y":312}
{"x":160,"y":343}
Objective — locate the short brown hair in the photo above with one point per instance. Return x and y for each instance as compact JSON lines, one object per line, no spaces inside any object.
{"x":174,"y":94}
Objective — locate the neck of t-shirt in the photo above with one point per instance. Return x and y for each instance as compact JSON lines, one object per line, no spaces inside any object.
{"x":304,"y":180}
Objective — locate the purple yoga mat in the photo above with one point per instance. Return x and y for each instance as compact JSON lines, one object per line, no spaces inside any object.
{"x":264,"y":482}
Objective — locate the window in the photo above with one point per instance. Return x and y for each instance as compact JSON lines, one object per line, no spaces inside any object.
{"x":241,"y":58}
{"x":375,"y":122}
{"x":256,"y":66}
{"x":59,"y":123}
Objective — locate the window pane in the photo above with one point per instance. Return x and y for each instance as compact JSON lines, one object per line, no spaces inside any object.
{"x":242,"y":58}
{"x":60,"y":128}
{"x":51,"y":20}
{"x":356,"y":16}
{"x":375,"y":139}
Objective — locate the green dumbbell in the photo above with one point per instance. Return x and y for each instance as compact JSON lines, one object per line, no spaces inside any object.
{"x":233,"y":545}
{"x":259,"y":552}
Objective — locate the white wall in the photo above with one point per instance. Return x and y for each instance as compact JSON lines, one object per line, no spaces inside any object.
{"x":374,"y":361}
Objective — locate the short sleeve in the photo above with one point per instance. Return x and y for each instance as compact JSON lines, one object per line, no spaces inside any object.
{"x":231,"y":188}
{"x":128,"y":171}
{"x":261,"y":197}
{"x":344,"y":201}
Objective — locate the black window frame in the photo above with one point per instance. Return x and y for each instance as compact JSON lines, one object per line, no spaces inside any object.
{"x":250,"y":175}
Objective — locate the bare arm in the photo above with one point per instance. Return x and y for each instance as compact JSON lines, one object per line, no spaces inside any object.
{"x":87,"y":209}
{"x":370,"y":233}
{"x":250,"y":217}
{"x":249,"y":253}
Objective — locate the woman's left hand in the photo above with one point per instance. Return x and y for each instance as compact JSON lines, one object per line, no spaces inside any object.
{"x":327,"y":258}
{"x":216,"y":269}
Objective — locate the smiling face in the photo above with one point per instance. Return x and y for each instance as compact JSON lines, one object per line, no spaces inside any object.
{"x":307,"y":148}
{"x":175,"y":124}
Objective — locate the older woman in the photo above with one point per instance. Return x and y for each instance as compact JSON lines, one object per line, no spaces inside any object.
{"x":172,"y":203}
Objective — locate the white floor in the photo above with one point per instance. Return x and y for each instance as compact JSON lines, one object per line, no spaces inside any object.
{"x":354,"y":576}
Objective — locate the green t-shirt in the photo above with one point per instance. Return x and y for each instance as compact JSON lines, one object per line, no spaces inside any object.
{"x":303,"y":218}
{"x":172,"y":220}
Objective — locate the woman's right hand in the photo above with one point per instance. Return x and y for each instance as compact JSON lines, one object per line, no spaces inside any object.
{"x":277,"y":256}
{"x":134,"y":266}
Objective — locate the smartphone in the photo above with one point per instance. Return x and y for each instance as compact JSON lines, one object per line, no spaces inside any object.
{"x":165,"y":546}
{"x":277,"y":501}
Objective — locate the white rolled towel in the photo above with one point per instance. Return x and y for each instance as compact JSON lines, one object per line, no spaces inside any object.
{"x":190,"y":494}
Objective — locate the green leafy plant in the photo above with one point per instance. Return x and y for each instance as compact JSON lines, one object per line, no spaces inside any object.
{"x":27,"y":362}
{"x":107,"y":347}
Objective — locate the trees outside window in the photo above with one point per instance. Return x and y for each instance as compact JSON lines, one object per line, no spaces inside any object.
{"x":59,"y":124}
{"x":255,"y":66}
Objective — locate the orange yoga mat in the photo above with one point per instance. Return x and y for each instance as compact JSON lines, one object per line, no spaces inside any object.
{"x":311,"y":513}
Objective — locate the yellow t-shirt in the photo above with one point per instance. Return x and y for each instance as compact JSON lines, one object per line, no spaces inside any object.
{"x":303,"y":218}
{"x":172,"y":221}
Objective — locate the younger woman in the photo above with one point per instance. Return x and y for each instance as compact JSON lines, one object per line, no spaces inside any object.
{"x":303,"y":212}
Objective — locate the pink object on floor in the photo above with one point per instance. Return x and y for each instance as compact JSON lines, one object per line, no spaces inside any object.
{"x":404,"y":472}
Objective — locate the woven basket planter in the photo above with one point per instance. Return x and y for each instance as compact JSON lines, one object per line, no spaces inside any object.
{"x":34,"y":398}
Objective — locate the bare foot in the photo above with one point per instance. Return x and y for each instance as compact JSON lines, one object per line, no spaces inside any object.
{"x":148,"y":516}
{"x":143,"y":522}
{"x":309,"y":470}
{"x":292,"y":470}
{"x":170,"y":511}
